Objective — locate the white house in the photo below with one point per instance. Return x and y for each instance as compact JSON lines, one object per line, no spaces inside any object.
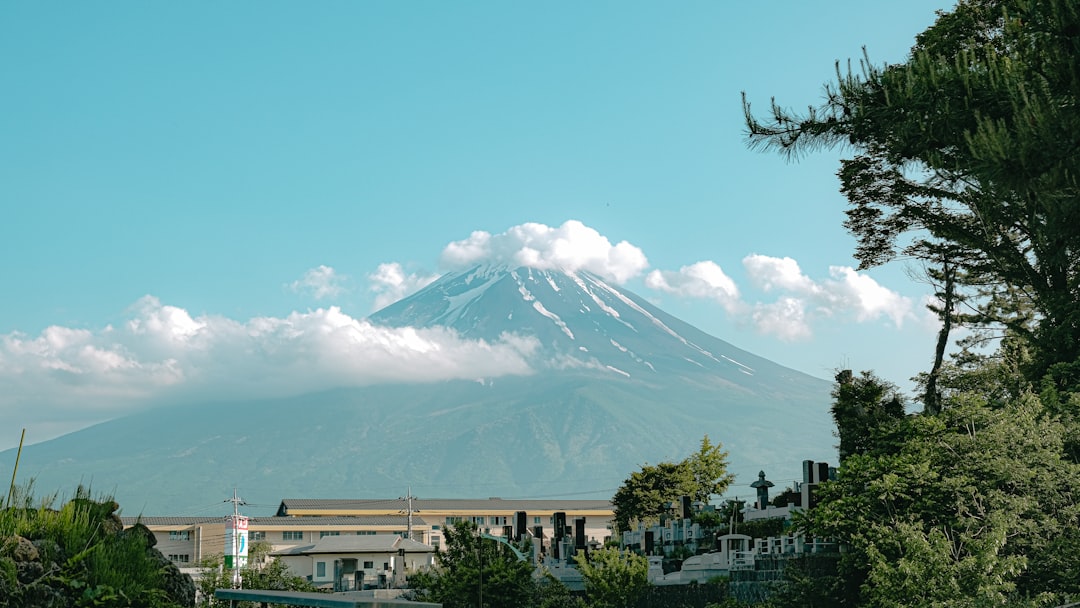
{"x":350,"y":562}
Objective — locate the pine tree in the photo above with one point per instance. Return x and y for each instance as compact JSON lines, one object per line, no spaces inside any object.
{"x":972,"y":144}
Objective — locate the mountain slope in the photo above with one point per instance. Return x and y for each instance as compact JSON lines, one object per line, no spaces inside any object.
{"x":617,"y":383}
{"x":578,"y":317}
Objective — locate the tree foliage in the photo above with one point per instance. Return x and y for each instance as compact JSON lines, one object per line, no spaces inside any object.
{"x":261,"y":572}
{"x":613,"y":578}
{"x":471,"y":567}
{"x":708,"y":471}
{"x":864,"y":406}
{"x":977,"y":506}
{"x":966,"y":158}
{"x":646,"y":494}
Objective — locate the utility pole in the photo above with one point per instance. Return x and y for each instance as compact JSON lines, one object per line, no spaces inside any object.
{"x":409,"y":510}
{"x":237,"y":501}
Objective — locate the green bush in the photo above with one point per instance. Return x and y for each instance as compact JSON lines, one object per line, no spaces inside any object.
{"x":80,"y":555}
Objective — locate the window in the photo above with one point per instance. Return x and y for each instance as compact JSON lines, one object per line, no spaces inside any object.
{"x":326,"y":533}
{"x":435,"y":542}
{"x":292,"y":535}
{"x":365,"y":533}
{"x":179,"y":535}
{"x":436,"y":527}
{"x":320,"y":569}
{"x":477,"y":519}
{"x":252,"y":536}
{"x":453,"y":520}
{"x":179,"y":558}
{"x":498,"y":521}
{"x":369,"y":565}
{"x":536,"y":521}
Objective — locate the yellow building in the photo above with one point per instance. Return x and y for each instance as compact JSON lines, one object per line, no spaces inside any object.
{"x":304,"y":521}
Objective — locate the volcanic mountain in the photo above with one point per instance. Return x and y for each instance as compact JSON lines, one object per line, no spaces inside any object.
{"x":615,"y":383}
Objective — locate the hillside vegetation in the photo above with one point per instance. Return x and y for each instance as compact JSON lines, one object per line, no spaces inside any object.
{"x":80,"y":555}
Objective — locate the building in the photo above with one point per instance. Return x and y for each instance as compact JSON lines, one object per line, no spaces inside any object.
{"x":492,"y":515}
{"x":304,"y":522}
{"x":187,"y":541}
{"x":348,"y":563}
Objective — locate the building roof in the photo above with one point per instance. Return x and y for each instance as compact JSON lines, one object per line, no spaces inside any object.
{"x":338,"y":520}
{"x":384,"y":543}
{"x":297,"y":506}
{"x":258,"y":522}
{"x":171,"y":521}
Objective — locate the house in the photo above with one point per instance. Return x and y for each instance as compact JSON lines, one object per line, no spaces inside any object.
{"x":348,"y":563}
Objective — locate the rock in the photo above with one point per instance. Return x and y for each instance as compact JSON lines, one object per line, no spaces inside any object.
{"x":142,"y":531}
{"x":21,"y":549}
{"x":39,"y":596}
{"x":50,"y":554}
{"x":179,"y":586}
{"x":28,"y":572}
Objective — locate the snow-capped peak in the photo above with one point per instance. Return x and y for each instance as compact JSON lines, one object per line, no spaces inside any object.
{"x":579,"y":318}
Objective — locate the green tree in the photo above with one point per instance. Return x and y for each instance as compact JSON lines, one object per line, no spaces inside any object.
{"x":551,"y":593}
{"x":473,"y":571}
{"x":731,"y":512}
{"x":787,"y":497}
{"x":708,"y":470}
{"x":864,"y":407}
{"x":969,"y":147}
{"x":613,"y":578}
{"x":261,"y":572}
{"x":646,"y":494}
{"x":976,"y":507}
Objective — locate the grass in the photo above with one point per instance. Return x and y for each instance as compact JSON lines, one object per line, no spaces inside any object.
{"x":84,"y":552}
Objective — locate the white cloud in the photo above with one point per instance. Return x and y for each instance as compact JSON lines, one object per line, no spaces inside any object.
{"x":163,"y":353}
{"x":866,"y":297}
{"x":800,"y":300}
{"x":784,"y":274}
{"x":390,"y":283}
{"x":847,"y":292}
{"x":704,"y":280}
{"x":785,"y":319}
{"x":572,"y":246}
{"x":320,"y":282}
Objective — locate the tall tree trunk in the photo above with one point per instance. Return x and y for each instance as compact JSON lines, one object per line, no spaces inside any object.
{"x":932,"y":398}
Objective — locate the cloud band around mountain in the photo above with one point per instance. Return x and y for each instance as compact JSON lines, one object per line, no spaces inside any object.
{"x":799,"y":300}
{"x":572,"y":246}
{"x":162,"y":353}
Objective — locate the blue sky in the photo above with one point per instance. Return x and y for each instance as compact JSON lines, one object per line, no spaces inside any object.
{"x":202,"y":170}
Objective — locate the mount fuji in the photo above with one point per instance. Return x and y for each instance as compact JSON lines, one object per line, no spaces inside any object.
{"x":614,"y":383}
